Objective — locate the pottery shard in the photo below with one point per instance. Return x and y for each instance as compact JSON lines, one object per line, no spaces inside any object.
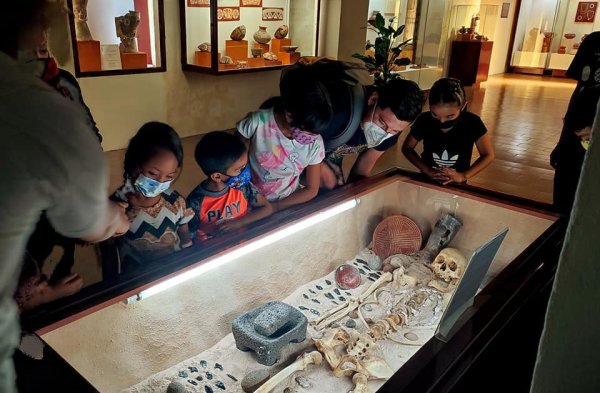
{"x":254,"y":379}
{"x":176,"y":387}
{"x":272,"y":319}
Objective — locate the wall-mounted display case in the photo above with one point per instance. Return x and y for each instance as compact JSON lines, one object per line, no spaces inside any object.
{"x":227,"y":36}
{"x":178,"y":328}
{"x":115,"y":37}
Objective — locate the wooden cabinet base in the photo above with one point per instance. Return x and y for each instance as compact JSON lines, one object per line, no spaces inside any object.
{"x":237,"y":50}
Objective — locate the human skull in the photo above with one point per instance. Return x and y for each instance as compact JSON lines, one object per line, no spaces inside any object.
{"x":449,"y":265}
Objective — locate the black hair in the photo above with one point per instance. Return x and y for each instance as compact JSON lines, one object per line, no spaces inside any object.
{"x":306,"y":99}
{"x":403,"y":97}
{"x":447,"y":91}
{"x":217,"y":150}
{"x":151,"y":138}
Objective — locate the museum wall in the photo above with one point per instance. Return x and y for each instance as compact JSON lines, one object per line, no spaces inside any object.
{"x":196,"y":103}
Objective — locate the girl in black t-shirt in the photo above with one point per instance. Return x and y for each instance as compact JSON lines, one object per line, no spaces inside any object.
{"x":448,"y":132}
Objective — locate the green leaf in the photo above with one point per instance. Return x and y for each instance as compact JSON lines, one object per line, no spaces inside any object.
{"x":379,"y":21}
{"x":399,"y":31}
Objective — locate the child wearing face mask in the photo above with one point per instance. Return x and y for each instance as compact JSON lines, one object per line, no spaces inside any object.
{"x":226,"y":199}
{"x":448,"y":132}
{"x":284,"y":141}
{"x":158,"y":215}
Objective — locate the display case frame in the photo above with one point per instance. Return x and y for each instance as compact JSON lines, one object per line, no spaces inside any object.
{"x":214,"y":39}
{"x":159,"y":38}
{"x":436,"y":366}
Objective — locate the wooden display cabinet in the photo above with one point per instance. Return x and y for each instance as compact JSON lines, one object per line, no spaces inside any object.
{"x":470,"y":61}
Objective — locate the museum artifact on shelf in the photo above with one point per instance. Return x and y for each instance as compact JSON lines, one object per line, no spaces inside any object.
{"x":271,"y":28}
{"x":136,"y":45}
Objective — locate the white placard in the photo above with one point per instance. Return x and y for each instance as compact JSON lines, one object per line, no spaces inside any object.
{"x":111,"y":57}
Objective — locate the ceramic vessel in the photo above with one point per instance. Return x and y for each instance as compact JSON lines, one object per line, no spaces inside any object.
{"x":256,"y":52}
{"x":289,"y":48}
{"x":204,"y":47}
{"x":262,"y":36}
{"x":238,"y":33}
{"x":270,"y":56}
{"x":282,"y":32}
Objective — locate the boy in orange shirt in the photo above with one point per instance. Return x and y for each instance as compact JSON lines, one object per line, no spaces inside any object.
{"x":227,"y":199}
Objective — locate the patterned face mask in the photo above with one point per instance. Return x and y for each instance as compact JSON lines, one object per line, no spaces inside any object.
{"x":150,"y":187}
{"x":303,"y":137}
{"x":240,"y":180}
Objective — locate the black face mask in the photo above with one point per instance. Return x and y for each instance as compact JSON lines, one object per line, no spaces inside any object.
{"x":448,"y":124}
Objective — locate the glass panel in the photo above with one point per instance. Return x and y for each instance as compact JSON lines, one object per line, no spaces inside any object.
{"x":250,"y":33}
{"x":117,"y":35}
{"x":534,"y":33}
{"x":575,"y":20}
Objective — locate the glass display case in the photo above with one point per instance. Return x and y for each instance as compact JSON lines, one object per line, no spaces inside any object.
{"x":172,"y":322}
{"x":115,"y":37}
{"x":228,"y":36}
{"x":576,"y":19}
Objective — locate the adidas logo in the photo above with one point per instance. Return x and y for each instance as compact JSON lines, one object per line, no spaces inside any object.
{"x":444,"y":161}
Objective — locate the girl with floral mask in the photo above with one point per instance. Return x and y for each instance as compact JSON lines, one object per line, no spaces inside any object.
{"x":448,"y":132}
{"x":284,"y":142}
{"x":158,"y":215}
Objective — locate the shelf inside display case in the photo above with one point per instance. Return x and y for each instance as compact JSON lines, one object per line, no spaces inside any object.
{"x":231,"y":36}
{"x":114,"y":37}
{"x":180,"y":329}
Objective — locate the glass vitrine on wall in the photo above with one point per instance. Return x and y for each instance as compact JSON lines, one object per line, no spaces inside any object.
{"x":228,"y":36}
{"x":115,"y":37}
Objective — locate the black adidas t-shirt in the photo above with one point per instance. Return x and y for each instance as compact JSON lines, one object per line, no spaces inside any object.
{"x":451,"y":149}
{"x":585,"y":66}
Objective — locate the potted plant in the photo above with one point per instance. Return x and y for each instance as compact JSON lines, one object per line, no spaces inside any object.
{"x":387,"y":51}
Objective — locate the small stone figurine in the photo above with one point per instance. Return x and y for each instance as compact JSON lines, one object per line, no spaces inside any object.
{"x":82,"y":30}
{"x":127,"y":31}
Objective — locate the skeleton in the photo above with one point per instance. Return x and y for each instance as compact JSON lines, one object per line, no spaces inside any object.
{"x":360,"y":384}
{"x":344,"y":309}
{"x":126,"y":26}
{"x":301,"y":363}
{"x":448,"y":267}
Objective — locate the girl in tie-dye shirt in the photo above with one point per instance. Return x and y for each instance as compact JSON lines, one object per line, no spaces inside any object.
{"x":285,"y":141}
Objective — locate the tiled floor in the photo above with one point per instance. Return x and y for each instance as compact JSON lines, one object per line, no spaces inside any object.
{"x":524,"y":118}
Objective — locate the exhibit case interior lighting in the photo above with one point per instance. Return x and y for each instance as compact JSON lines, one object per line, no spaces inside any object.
{"x":116,"y":37}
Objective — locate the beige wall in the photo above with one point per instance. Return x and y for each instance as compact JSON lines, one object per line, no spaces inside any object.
{"x":192,"y":103}
{"x":502,"y":39}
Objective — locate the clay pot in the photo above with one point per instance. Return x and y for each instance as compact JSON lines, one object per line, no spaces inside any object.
{"x":569,"y":36}
{"x":204,"y":47}
{"x":262,"y":36}
{"x":562,"y":50}
{"x":238,"y":33}
{"x":271,"y":56}
{"x":256,"y":52}
{"x":282,"y":32}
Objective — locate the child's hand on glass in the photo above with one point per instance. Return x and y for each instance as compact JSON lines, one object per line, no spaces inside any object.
{"x":436,"y":174}
{"x":452,"y":176}
{"x":229,"y":225}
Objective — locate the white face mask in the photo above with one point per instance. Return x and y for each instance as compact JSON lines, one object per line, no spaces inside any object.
{"x":374,"y":134}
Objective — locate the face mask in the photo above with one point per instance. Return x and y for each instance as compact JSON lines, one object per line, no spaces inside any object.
{"x":240,"y":180}
{"x":373,"y":133}
{"x":303,"y":137}
{"x":150,"y":187}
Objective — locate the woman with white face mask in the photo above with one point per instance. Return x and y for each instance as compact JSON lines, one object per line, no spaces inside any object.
{"x":389,"y":110}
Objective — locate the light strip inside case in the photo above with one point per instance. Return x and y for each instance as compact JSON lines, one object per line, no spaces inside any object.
{"x":220,"y":260}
